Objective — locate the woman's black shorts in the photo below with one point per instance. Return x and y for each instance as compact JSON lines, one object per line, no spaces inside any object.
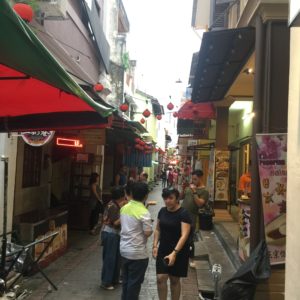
{"x":179,"y":269}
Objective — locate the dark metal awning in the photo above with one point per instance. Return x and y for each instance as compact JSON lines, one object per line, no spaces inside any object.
{"x":137,"y":126}
{"x":222,"y":56}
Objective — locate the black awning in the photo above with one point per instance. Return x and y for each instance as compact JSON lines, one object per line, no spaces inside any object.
{"x":137,"y":126}
{"x":222,"y":56}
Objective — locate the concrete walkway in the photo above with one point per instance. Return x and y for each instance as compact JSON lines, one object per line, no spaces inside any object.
{"x":77,"y":273}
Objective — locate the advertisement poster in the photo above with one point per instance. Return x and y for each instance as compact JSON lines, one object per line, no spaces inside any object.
{"x":210,"y":184}
{"x":244,"y":228}
{"x":272,"y":152}
{"x":222,"y":175}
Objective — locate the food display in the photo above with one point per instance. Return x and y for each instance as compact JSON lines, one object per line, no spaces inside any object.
{"x":222,"y":175}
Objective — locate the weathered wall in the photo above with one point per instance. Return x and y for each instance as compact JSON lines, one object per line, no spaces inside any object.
{"x":293,"y":187}
{"x":8,"y":148}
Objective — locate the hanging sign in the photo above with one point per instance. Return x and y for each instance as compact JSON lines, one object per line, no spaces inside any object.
{"x":222,"y":175}
{"x":37,"y":138}
{"x":272,"y":160}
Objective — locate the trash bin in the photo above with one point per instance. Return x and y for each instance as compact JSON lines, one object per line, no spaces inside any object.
{"x":206,"y":221}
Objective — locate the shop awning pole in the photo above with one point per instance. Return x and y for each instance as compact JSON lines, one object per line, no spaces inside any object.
{"x":4,"y":230}
{"x":256,"y":219}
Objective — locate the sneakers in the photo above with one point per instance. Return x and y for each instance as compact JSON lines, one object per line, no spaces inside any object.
{"x":108,"y":287}
{"x":192,"y":265}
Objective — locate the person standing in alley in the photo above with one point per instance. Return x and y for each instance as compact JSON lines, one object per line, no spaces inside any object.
{"x":163,"y":177}
{"x":121,"y":177}
{"x":110,"y":237}
{"x":170,"y":177}
{"x":136,"y":227}
{"x":195,"y":198}
{"x":171,"y":245}
{"x":96,"y":203}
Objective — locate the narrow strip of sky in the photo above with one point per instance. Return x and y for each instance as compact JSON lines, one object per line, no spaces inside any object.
{"x":162,"y":41}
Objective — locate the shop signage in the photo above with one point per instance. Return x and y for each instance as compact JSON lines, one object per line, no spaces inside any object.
{"x":37,"y":138}
{"x":272,"y":153}
{"x":211,"y":175}
{"x":222,"y":175}
{"x":66,"y":142}
{"x":294,"y":13}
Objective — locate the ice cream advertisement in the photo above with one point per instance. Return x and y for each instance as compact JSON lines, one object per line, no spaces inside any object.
{"x":272,"y":153}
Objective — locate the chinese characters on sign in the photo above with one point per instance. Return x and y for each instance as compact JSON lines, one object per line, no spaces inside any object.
{"x":37,"y":138}
{"x":272,"y":152}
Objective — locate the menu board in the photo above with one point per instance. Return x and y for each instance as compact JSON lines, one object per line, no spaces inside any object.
{"x":210,"y":184}
{"x":272,"y":154}
{"x":222,"y":175}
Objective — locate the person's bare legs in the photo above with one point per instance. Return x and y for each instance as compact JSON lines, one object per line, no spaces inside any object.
{"x":162,"y":286}
{"x":175,"y":287}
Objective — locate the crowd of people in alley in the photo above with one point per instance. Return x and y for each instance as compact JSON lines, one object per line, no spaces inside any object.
{"x":126,"y":225}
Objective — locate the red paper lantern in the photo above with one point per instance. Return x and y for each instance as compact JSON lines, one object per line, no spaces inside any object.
{"x":142,"y":120}
{"x":137,"y":140}
{"x":170,"y":106}
{"x":25,"y":11}
{"x":175,"y":114}
{"x":158,"y":117}
{"x":98,"y":87}
{"x":124,"y":107}
{"x":146,"y":113}
{"x":137,"y":147}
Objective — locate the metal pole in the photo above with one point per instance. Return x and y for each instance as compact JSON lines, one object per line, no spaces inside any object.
{"x":256,"y":221}
{"x":4,"y":234}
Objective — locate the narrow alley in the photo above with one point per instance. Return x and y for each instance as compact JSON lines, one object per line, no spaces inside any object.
{"x":77,"y":273}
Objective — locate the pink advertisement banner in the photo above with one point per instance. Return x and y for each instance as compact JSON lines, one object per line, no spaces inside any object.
{"x":272,"y":153}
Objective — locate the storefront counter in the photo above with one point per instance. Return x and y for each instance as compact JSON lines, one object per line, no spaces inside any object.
{"x":244,"y":227}
{"x":35,"y":225}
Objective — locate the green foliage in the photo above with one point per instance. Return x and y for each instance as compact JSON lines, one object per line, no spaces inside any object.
{"x":126,"y":61}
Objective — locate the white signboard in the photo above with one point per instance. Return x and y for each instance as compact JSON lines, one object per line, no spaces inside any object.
{"x":37,"y":138}
{"x":294,"y":10}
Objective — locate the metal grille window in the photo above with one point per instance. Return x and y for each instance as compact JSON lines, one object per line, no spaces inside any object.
{"x":32,"y":166}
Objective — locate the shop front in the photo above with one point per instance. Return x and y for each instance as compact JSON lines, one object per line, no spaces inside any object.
{"x":34,"y":102}
{"x":52,"y":185}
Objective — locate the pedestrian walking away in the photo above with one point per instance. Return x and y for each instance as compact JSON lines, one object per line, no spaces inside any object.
{"x":96,"y":203}
{"x":111,"y":239}
{"x":171,"y":245}
{"x":163,"y":177}
{"x":136,"y":227}
{"x":195,"y":199}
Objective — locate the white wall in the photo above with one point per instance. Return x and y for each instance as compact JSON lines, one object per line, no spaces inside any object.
{"x":8,"y":148}
{"x":293,"y":185}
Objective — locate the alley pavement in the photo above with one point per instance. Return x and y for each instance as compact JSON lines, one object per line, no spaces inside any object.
{"x":77,"y":273}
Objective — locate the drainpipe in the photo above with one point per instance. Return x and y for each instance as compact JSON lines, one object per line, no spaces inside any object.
{"x":256,"y":221}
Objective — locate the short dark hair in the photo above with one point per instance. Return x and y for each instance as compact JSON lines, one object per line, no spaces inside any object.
{"x":145,"y":175}
{"x":117,"y":192}
{"x":93,"y":177}
{"x":128,"y":187}
{"x":167,"y":192}
{"x":139,"y":191}
{"x":198,"y":173}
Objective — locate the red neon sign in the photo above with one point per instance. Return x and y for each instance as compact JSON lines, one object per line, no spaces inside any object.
{"x":68,"y":143}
